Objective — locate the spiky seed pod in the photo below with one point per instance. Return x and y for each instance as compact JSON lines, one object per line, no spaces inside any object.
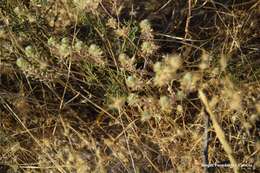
{"x":145,"y":26}
{"x":78,"y":45}
{"x":41,"y":73}
{"x":174,"y":61}
{"x":122,"y":31}
{"x":126,"y":62}
{"x":112,"y":23}
{"x":118,"y":103}
{"x":134,"y":83}
{"x":148,"y":47}
{"x":189,"y":82}
{"x":52,"y":41}
{"x":205,"y":61}
{"x":157,"y":67}
{"x":29,"y":51}
{"x":165,"y":104}
{"x":146,"y":29}
{"x":96,"y":54}
{"x":89,"y":5}
{"x":133,"y":99}
{"x":95,"y":51}
{"x":22,"y":63}
{"x":166,"y":71}
{"x":145,"y":115}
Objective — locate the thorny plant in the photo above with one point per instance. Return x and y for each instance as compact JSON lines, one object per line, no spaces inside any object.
{"x":129,"y":86}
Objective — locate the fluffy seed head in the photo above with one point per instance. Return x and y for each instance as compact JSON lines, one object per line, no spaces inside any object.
{"x":165,"y":104}
{"x":22,"y":63}
{"x":95,"y":50}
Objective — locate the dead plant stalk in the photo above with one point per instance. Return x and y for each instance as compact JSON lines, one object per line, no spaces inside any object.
{"x":219,"y":132}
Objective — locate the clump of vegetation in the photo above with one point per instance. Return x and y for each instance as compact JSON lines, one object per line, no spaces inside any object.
{"x":129,"y":86}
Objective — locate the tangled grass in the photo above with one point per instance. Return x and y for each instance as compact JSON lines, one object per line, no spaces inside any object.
{"x":129,"y":86}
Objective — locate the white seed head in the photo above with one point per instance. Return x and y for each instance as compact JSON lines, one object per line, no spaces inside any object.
{"x":78,"y":45}
{"x":112,"y":23}
{"x":174,"y":61}
{"x":254,"y":118}
{"x":165,"y":104}
{"x":52,"y":41}
{"x":145,"y":26}
{"x":236,"y":101}
{"x":29,"y":51}
{"x":22,"y":63}
{"x":179,"y":109}
{"x":43,"y":65}
{"x":189,"y":81}
{"x":126,"y":62}
{"x":180,"y":95}
{"x":148,"y":47}
{"x":131,"y":81}
{"x":64,"y":50}
{"x":133,"y":99}
{"x":2,"y":33}
{"x":134,"y":82}
{"x":118,"y":103}
{"x":157,"y":67}
{"x":87,"y":4}
{"x":65,"y":41}
{"x":203,"y":65}
{"x":123,"y":58}
{"x":95,"y":50}
{"x":145,"y":116}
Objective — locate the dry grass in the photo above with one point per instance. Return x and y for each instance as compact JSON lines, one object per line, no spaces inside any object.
{"x":129,"y":86}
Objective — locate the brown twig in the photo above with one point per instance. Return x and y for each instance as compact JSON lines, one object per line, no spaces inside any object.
{"x":188,"y":20}
{"x":219,"y":132}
